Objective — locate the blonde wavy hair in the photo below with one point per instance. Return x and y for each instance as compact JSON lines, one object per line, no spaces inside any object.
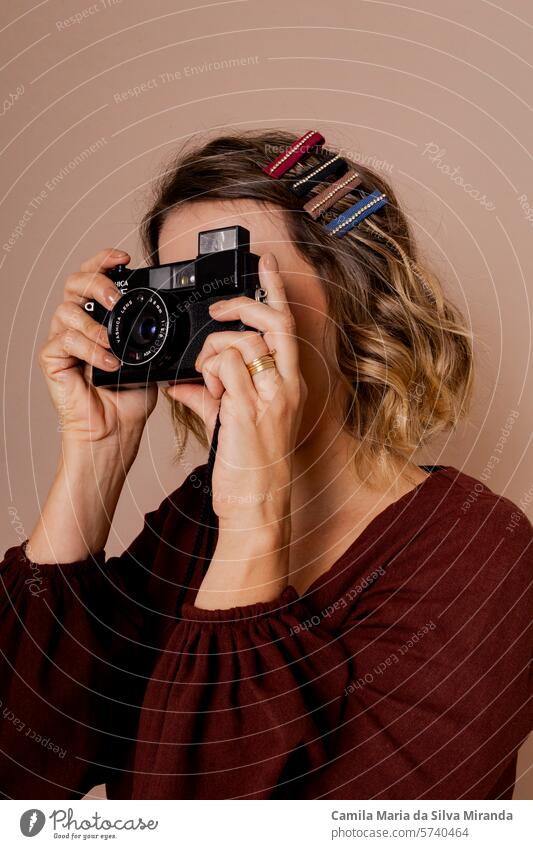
{"x":401,"y":350}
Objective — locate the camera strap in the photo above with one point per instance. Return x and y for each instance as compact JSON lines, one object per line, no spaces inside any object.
{"x":207,"y":520}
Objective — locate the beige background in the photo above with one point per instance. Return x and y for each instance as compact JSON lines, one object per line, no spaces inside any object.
{"x":389,"y":81}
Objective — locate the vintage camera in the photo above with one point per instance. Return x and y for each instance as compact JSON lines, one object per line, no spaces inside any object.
{"x":159,"y":325}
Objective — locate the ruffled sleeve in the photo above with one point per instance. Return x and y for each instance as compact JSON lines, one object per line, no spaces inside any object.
{"x":254,"y":701}
{"x":77,"y":645}
{"x":417,"y":687}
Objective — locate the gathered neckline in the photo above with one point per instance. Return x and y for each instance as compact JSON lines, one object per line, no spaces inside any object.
{"x":370,"y":529}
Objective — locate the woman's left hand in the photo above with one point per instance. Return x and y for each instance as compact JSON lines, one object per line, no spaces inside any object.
{"x":259,"y":416}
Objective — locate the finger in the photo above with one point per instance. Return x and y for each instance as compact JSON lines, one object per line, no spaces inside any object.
{"x":249,"y":343}
{"x":213,"y":384}
{"x":272,"y":281}
{"x":229,"y":369}
{"x":250,"y":346}
{"x":278,"y":327}
{"x":91,"y":282}
{"x":83,"y":286}
{"x":104,"y":260}
{"x":69,"y":346}
{"x":198,"y":399}
{"x":70,"y":315}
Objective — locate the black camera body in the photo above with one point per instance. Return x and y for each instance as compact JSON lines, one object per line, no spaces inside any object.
{"x":158,"y":326}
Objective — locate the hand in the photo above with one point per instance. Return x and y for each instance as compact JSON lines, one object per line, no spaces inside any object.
{"x":91,"y":415}
{"x":259,"y":415}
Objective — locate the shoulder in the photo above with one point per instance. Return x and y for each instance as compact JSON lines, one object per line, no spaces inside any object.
{"x":467,"y":568}
{"x":471,"y":498}
{"x":480,"y":527}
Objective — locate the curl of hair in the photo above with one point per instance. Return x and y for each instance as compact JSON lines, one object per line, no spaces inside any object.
{"x":401,"y":350}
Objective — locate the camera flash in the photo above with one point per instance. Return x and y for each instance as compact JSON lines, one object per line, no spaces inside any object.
{"x":213,"y":241}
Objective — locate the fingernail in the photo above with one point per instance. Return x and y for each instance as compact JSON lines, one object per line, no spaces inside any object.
{"x":269,"y":262}
{"x":215,"y":307}
{"x":111,"y":361}
{"x":116,"y":252}
{"x":112,"y":296}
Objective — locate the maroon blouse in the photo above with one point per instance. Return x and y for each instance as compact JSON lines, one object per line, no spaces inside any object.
{"x":402,"y":673}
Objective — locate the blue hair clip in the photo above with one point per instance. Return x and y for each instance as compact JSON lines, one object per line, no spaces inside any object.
{"x":357,"y":213}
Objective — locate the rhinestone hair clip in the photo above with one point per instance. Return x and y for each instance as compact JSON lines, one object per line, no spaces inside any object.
{"x":328,"y":192}
{"x":294,"y":153}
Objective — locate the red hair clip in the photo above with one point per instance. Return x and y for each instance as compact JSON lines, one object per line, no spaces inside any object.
{"x":296,"y":151}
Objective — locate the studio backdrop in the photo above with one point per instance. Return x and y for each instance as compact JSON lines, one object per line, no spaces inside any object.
{"x":97,"y":98}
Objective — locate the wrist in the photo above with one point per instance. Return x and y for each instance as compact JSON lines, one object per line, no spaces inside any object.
{"x":246,"y":568}
{"x":81,"y":503}
{"x":257,"y":503}
{"x":109,"y":454}
{"x":245,"y":543}
{"x":254,"y":533}
{"x":263,"y":518}
{"x":93,"y":478}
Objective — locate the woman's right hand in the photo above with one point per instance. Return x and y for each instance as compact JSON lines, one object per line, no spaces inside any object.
{"x":89,"y":414}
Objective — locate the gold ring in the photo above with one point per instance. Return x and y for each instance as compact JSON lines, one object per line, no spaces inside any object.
{"x":261,"y":363}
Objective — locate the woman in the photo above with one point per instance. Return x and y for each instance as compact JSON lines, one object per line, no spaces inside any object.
{"x":360,"y":626}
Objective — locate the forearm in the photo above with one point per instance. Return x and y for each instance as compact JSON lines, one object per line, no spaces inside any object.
{"x":247,"y":567}
{"x":80,"y":505}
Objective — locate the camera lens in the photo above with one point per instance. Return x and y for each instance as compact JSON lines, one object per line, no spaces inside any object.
{"x":139,"y":327}
{"x":145,"y":329}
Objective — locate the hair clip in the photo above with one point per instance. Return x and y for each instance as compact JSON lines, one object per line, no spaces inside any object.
{"x":357,"y":213}
{"x":333,"y":192}
{"x":296,"y":151}
{"x":324,"y":200}
{"x":315,"y":175}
